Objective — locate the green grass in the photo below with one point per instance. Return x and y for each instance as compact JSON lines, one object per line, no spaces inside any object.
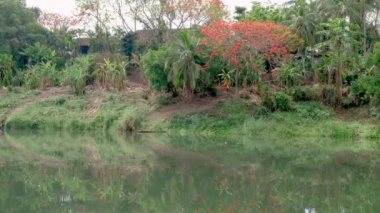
{"x":127,"y":113}
{"x":14,"y":97}
{"x":68,"y":112}
{"x":238,"y":117}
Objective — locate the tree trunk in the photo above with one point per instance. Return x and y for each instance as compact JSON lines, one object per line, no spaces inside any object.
{"x":330,"y":75}
{"x":237,"y":83}
{"x":338,"y":84}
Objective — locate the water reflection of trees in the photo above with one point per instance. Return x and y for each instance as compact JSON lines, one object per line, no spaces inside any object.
{"x":185,"y":176}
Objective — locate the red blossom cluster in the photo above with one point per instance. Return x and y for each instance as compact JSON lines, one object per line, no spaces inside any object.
{"x":236,"y":41}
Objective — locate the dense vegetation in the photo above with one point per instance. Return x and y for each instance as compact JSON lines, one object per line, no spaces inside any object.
{"x":275,"y":110}
{"x":322,"y":51}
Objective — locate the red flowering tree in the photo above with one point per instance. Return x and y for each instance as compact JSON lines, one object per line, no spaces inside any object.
{"x":240,"y":43}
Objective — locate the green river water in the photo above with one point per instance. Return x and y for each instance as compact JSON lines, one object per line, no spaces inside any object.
{"x":60,"y":172}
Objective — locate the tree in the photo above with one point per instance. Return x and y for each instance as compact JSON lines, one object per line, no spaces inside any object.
{"x":19,"y":28}
{"x":57,"y":22}
{"x":96,"y":11}
{"x":240,"y":13}
{"x":162,"y":16}
{"x":241,"y":43}
{"x":303,"y":18}
{"x":183,"y":71}
{"x":259,"y":12}
{"x":342,"y":42}
{"x":356,"y":11}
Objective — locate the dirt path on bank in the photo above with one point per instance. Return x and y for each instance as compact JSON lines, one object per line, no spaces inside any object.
{"x":51,"y":92}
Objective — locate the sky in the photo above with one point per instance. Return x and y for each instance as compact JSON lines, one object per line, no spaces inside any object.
{"x":66,"y":7}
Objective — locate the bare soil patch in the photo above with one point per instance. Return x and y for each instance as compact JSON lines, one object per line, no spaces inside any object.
{"x":185,"y":107}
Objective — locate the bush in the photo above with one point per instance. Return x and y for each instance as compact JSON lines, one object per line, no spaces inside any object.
{"x":328,"y":94}
{"x":374,"y":58}
{"x":291,"y":74}
{"x":165,"y":100}
{"x":282,"y":101}
{"x":76,"y":74}
{"x":154,"y":68}
{"x":360,"y":89}
{"x":305,"y":93}
{"x":298,"y":93}
{"x":112,"y":73}
{"x":42,"y":75}
{"x":6,"y":68}
{"x":39,"y":53}
{"x":278,"y":101}
{"x":131,"y":120}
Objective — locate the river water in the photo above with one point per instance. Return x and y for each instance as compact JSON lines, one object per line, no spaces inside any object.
{"x":60,"y":172}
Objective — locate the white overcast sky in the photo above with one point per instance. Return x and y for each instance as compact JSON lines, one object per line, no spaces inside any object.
{"x":67,"y":6}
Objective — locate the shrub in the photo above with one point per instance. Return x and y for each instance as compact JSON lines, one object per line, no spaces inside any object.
{"x":76,"y":74}
{"x":298,"y":93}
{"x":360,"y":89}
{"x":374,"y":58}
{"x":282,"y":101}
{"x":42,"y":75}
{"x":131,"y":120}
{"x":39,"y":53}
{"x":305,"y":93}
{"x":112,"y":73}
{"x":154,"y":68}
{"x":291,"y":74}
{"x":165,"y":100}
{"x":6,"y":66}
{"x":31,"y":78}
{"x":328,"y":94}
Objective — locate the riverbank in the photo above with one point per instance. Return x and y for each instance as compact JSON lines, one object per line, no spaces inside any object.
{"x":140,"y":110}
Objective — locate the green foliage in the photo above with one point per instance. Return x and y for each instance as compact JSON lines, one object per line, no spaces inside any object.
{"x":329,"y":95}
{"x":240,"y":13}
{"x":76,"y":74}
{"x":374,"y":58}
{"x":42,"y":75}
{"x":19,"y":29}
{"x":131,"y":119}
{"x":282,"y":101}
{"x":129,"y":43}
{"x":183,"y":71}
{"x":39,"y":53}
{"x":259,"y":12}
{"x":112,"y":73}
{"x":342,"y":40}
{"x":154,"y":68}
{"x":164,"y":100}
{"x":306,"y":93}
{"x":366,"y":89}
{"x":6,"y":69}
{"x":290,"y":74}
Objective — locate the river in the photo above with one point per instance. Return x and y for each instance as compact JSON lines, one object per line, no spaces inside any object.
{"x":80,"y":173}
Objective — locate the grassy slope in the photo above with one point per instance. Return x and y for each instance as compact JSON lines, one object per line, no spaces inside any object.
{"x":69,"y":112}
{"x":229,"y":118}
{"x":237,"y":117}
{"x":9,"y":100}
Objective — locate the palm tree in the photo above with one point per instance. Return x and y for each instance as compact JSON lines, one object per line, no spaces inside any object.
{"x":183,"y":71}
{"x":303,"y":18}
{"x":356,"y":11}
{"x":341,"y":40}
